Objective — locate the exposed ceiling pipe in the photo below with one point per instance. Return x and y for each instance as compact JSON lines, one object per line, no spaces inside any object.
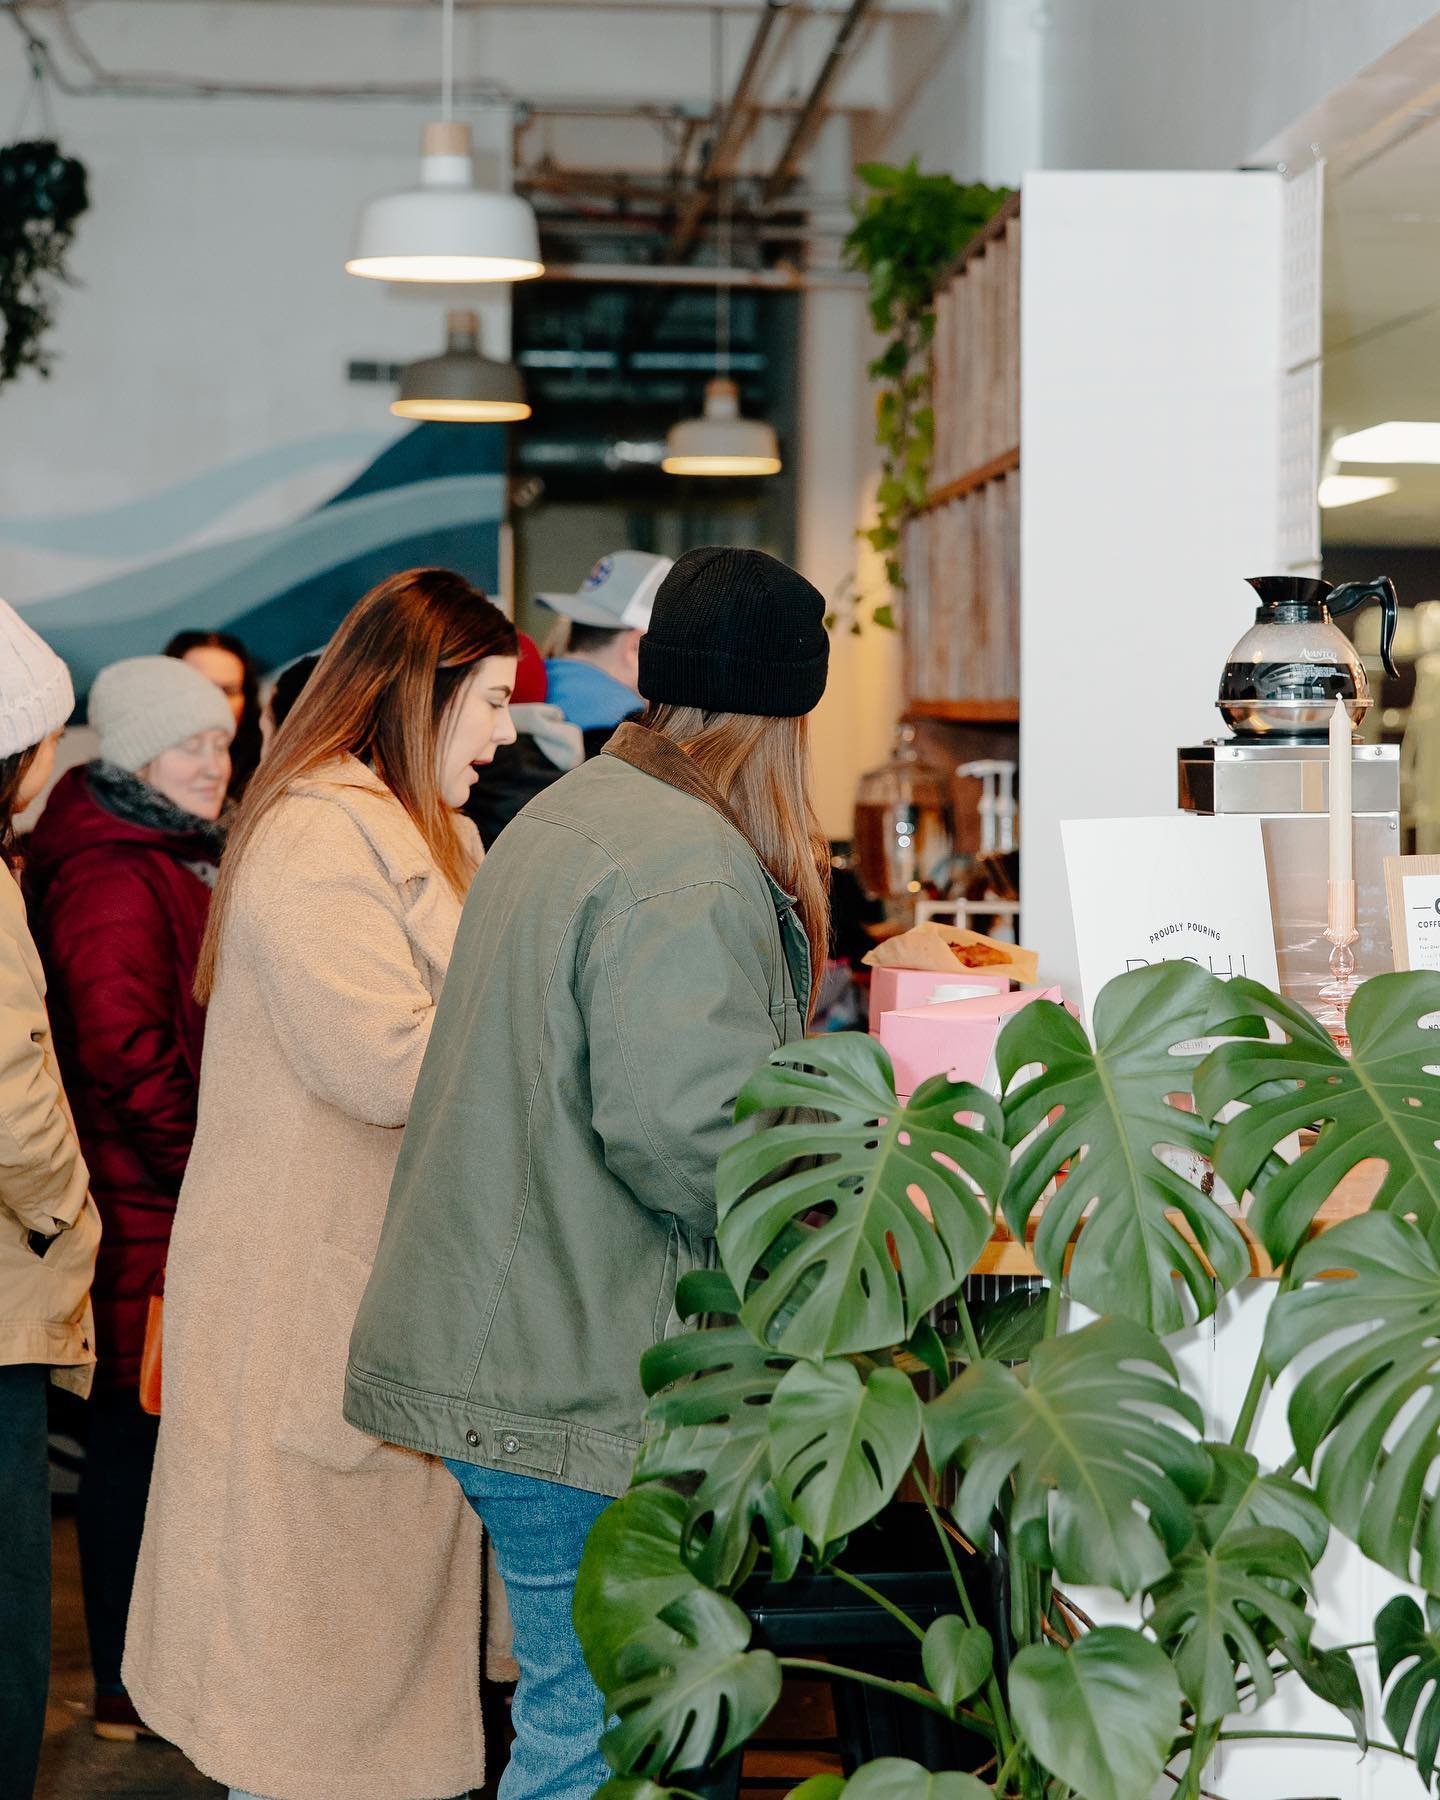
{"x":811,"y":115}
{"x":731,"y":130}
{"x":693,"y":275}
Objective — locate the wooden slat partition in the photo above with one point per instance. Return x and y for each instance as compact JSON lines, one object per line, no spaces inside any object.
{"x":962,"y":550}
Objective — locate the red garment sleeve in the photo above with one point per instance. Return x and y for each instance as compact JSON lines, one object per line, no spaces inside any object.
{"x":114,"y":958}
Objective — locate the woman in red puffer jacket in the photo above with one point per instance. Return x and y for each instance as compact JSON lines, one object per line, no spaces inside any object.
{"x":119,"y":873}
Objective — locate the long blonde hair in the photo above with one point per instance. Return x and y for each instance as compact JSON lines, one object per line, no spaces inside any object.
{"x":381,"y":693}
{"x":761,"y":768}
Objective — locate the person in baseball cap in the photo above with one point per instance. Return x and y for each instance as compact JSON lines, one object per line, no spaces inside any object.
{"x":594,"y":675}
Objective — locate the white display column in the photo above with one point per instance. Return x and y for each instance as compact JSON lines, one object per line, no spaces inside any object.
{"x":1169,"y":405}
{"x":1151,"y":390}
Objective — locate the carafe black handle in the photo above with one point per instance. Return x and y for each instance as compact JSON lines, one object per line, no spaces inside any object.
{"x":1351,"y":594}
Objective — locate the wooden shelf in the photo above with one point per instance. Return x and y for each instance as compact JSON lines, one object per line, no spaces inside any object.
{"x":996,"y":469}
{"x":966,"y":712}
{"x":989,"y":233}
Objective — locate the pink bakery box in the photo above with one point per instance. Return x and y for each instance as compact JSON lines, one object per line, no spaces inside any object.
{"x":952,"y":1037}
{"x":893,"y":990}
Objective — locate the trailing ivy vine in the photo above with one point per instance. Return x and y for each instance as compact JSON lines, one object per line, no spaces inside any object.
{"x":908,"y":229}
{"x":42,"y":194}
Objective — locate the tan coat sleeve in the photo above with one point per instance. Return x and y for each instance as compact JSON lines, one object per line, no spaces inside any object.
{"x":326,"y":940}
{"x":43,"y":1179}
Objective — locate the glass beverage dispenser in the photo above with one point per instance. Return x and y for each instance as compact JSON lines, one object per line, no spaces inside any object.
{"x":903,"y":838}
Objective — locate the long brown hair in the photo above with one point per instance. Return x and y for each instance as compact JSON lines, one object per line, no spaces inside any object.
{"x":380,"y":692}
{"x":762,"y":770}
{"x":13,"y":770}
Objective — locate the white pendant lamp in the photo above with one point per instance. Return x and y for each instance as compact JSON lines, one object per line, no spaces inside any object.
{"x":720,"y":442}
{"x":462,"y":386}
{"x":447,"y":229}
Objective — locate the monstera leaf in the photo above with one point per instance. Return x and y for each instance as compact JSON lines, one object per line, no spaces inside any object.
{"x":883,"y":1206}
{"x":1111,"y":1117}
{"x":1331,"y":1676}
{"x":841,"y":1445}
{"x":892,"y":1778}
{"x":1369,"y":1388}
{"x":1240,"y":1498}
{"x":712,"y":1392}
{"x":690,"y":1690}
{"x":1383,"y":1100}
{"x":1102,"y":1715}
{"x":634,"y":1787}
{"x":1092,"y":1436}
{"x":1404,"y":1636}
{"x":1224,"y":1608}
{"x":957,"y":1658}
{"x":632,"y":1569}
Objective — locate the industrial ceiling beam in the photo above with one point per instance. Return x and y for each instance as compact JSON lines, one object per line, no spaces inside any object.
{"x":700,"y":276}
{"x":732,"y":127}
{"x":811,"y":116}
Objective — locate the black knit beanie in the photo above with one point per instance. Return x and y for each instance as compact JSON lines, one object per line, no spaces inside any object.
{"x":736,"y":631}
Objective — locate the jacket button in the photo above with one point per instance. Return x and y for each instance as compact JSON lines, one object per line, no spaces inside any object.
{"x":472,"y":1437}
{"x":511,"y":1445}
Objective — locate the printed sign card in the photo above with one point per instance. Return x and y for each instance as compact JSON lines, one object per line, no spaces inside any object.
{"x":1177,"y":889}
{"x":1412,"y":889}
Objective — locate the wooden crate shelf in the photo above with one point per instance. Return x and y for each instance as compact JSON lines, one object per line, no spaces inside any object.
{"x":962,"y":548}
{"x":965,"y":712}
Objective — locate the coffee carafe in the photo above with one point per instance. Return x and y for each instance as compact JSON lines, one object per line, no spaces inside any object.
{"x":1283,"y":678}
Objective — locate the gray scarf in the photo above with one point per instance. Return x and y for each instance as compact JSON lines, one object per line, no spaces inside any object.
{"x":127,"y":797}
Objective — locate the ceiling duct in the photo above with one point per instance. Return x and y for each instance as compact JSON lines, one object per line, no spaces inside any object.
{"x":812,"y":115}
{"x":732,"y":127}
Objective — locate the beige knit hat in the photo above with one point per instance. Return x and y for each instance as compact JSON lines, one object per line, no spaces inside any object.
{"x":147,"y":704}
{"x":36,"y":697}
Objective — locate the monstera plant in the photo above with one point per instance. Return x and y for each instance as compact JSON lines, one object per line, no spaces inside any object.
{"x":835,"y":1359}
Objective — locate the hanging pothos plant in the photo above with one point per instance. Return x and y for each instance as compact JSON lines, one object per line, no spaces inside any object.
{"x":908,"y":229}
{"x":42,"y":194}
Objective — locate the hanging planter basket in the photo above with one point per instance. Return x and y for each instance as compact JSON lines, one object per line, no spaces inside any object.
{"x":42,"y":195}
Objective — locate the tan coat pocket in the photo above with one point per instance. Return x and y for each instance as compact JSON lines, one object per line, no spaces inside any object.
{"x":310,"y":1421}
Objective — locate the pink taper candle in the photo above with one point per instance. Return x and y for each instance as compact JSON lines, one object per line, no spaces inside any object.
{"x":1342,"y":866}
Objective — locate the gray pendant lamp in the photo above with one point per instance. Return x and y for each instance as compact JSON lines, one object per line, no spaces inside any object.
{"x":720,"y":442}
{"x":447,"y":229}
{"x":462,"y":386}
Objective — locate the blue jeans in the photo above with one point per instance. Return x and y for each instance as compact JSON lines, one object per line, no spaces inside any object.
{"x":539,"y":1530}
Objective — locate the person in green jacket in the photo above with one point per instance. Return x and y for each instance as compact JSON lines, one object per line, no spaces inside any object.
{"x":641,"y":938}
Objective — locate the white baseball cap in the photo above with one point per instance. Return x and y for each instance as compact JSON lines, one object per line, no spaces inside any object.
{"x":617,"y":594}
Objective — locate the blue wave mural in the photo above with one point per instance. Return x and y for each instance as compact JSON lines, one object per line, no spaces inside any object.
{"x":146,"y":527}
{"x":436,"y":495}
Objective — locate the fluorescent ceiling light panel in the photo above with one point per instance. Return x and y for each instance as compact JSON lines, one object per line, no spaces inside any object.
{"x":1396,"y":441}
{"x":1349,"y":490}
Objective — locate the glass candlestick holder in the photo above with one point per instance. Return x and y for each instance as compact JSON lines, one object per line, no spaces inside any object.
{"x":1337,"y":993}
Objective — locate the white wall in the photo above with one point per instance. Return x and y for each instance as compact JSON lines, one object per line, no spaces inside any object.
{"x":852,"y":728}
{"x":966,"y":94}
{"x":1199,"y":84}
{"x":211,"y":318}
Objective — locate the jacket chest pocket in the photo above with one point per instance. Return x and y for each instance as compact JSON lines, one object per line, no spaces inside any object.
{"x":787,"y":1020}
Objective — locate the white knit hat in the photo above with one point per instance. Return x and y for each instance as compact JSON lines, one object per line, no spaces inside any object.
{"x":36,"y":697}
{"x":147,"y":704}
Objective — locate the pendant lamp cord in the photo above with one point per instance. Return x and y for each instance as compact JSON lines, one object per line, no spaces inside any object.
{"x":722,"y":287}
{"x":447,"y":59}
